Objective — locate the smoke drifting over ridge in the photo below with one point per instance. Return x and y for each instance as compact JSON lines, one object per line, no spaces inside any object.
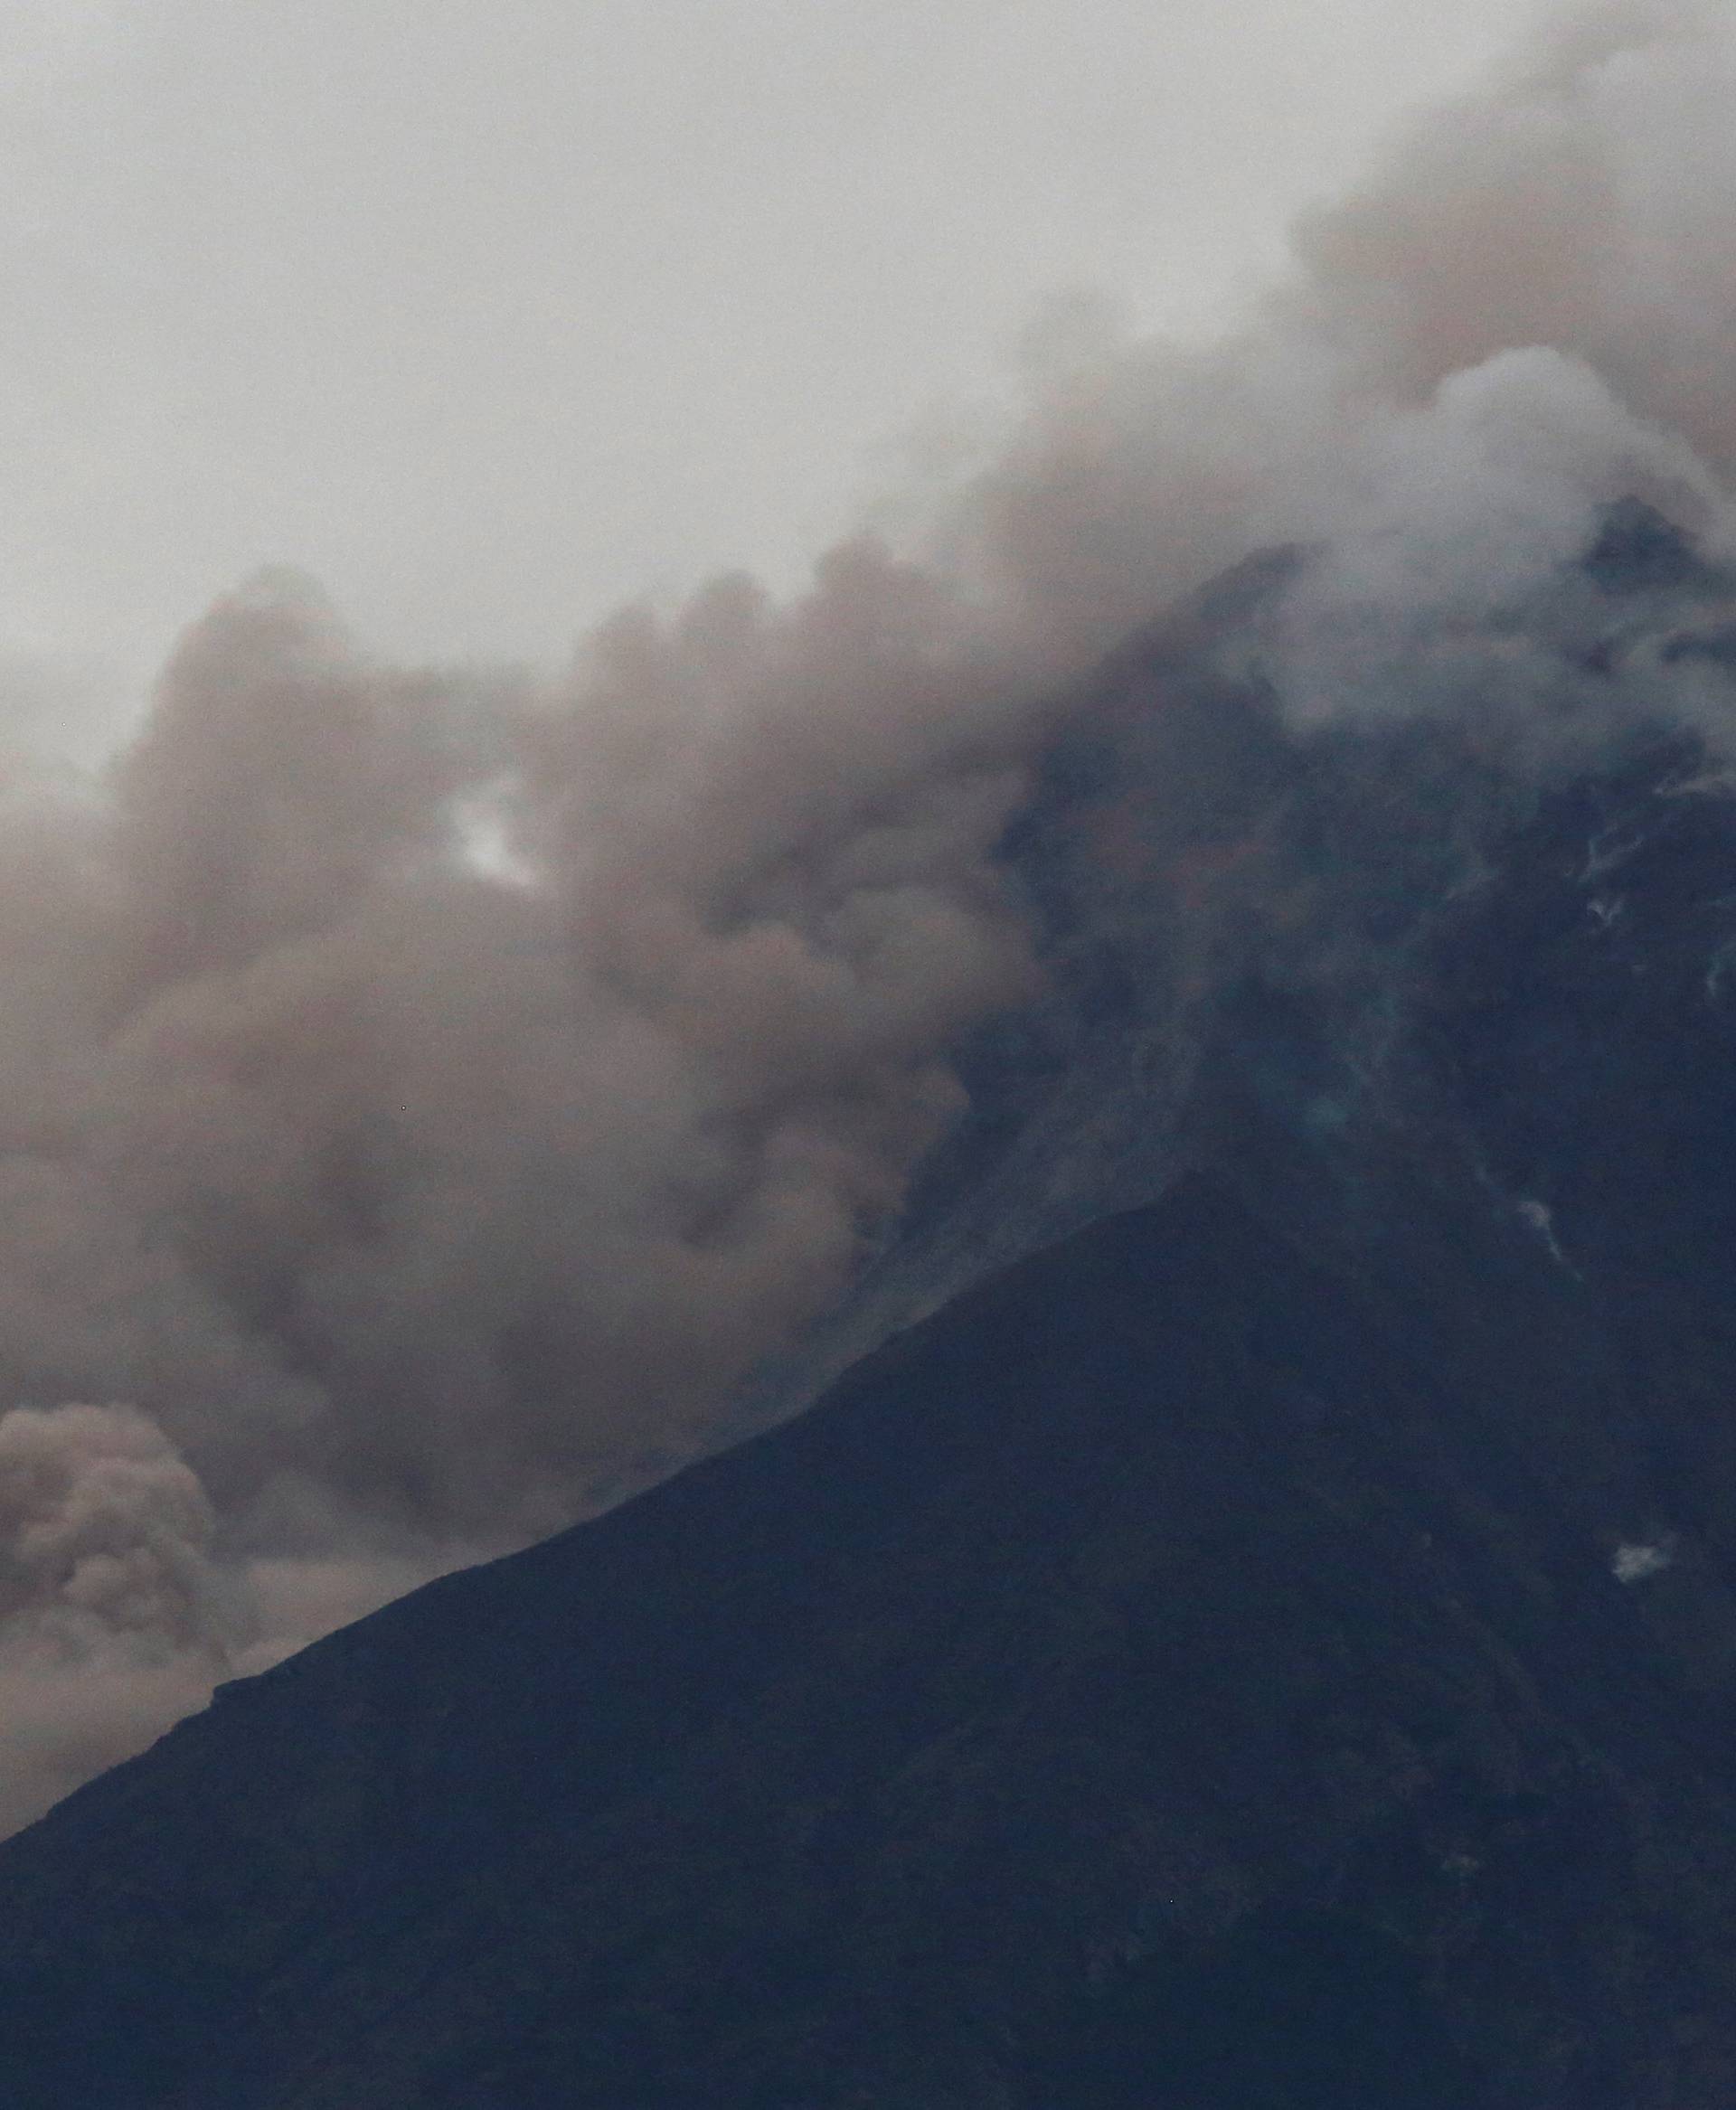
{"x":416,"y":1196}
{"x":426,"y":1095}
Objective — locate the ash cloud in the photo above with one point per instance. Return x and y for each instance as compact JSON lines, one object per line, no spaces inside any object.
{"x":415,"y":1201}
{"x":111,"y":1612}
{"x":426,"y":1095}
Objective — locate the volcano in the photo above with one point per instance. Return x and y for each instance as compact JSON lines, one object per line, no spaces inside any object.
{"x":1237,"y":1611}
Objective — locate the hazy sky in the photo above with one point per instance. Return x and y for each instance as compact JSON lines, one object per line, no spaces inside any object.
{"x":491,"y":314}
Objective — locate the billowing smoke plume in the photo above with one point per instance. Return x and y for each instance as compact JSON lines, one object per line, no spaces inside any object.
{"x":426,"y":1096}
{"x":110,"y":1612}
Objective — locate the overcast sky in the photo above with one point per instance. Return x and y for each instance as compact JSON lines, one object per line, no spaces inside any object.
{"x":491,"y":314}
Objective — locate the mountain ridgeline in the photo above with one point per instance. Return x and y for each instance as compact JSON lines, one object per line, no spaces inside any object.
{"x":1248,"y":1620}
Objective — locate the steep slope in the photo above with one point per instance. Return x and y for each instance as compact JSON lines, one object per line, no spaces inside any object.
{"x":1319,"y":906}
{"x":1144,"y":1651}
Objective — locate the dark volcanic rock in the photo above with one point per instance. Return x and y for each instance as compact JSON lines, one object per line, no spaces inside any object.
{"x":1273,"y":1649}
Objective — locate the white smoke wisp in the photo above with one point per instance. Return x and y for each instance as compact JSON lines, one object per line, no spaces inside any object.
{"x":424,"y":1096}
{"x":1455,"y":516}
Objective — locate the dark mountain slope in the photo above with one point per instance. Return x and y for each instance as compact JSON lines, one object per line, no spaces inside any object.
{"x":1142,"y":1653}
